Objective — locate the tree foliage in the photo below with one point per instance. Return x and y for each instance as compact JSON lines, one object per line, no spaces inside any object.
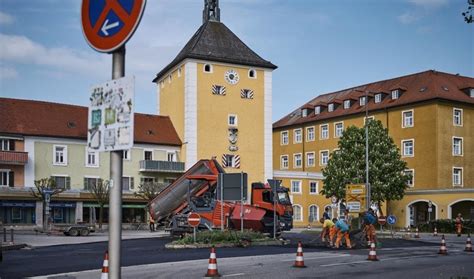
{"x":39,"y":192}
{"x":100,"y":193}
{"x":468,"y":14}
{"x":149,"y":190}
{"x":347,"y":165}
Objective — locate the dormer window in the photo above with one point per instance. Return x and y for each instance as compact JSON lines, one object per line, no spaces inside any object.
{"x":347,"y":104}
{"x":471,"y":93}
{"x":378,"y":98}
{"x":304,"y":113}
{"x":362,"y":101}
{"x":317,"y":110}
{"x":331,"y":107}
{"x":395,"y":94}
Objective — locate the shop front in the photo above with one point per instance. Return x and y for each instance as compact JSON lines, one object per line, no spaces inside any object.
{"x":17,"y":212}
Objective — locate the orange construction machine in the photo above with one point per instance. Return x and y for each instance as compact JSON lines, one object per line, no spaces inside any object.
{"x":196,"y":191}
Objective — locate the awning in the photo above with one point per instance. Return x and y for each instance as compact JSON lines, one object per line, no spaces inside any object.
{"x":17,"y":204}
{"x":123,"y":205}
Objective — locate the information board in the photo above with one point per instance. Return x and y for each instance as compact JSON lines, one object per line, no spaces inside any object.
{"x":356,"y":198}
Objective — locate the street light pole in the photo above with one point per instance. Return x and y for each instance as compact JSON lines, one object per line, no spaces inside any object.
{"x":115,"y":198}
{"x":367,"y":185}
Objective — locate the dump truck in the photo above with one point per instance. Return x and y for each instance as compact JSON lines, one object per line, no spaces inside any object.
{"x":196,"y":191}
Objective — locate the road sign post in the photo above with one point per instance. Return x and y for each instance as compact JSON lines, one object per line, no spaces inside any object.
{"x":194,"y":220}
{"x":107,"y":26}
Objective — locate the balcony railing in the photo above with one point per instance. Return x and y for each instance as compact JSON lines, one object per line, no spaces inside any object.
{"x":13,"y":157}
{"x":161,"y":166}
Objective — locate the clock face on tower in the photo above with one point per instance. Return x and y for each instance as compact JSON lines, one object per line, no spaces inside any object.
{"x":231,"y":76}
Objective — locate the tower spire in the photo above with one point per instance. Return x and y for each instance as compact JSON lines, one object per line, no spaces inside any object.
{"x":211,"y":11}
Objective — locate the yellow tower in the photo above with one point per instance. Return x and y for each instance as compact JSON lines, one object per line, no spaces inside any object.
{"x":218,"y":94}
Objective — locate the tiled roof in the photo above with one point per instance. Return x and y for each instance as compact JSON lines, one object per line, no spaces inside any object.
{"x":416,"y":88}
{"x":213,"y":41}
{"x":37,"y":118}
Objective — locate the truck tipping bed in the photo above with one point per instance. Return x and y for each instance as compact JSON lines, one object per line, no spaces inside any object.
{"x":173,"y":199}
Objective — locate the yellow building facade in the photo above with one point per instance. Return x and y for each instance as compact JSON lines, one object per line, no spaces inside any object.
{"x":429,"y":115}
{"x":218,"y":94}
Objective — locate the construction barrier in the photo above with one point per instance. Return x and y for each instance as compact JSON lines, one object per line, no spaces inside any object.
{"x":212,"y":267}
{"x":372,"y":253}
{"x":442,"y":249}
{"x":105,"y":266}
{"x":299,"y":262}
{"x":468,"y":244}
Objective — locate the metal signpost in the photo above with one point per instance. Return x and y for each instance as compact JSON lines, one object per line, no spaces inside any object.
{"x":391,"y":220}
{"x":194,"y":220}
{"x":430,"y":209}
{"x":107,"y":26}
{"x":274,"y":184}
{"x":47,"y":210}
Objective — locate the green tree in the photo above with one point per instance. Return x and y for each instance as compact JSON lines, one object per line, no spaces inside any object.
{"x":468,"y":14}
{"x":100,"y":193}
{"x":42,"y":187}
{"x":387,"y":178}
{"x":148,"y":191}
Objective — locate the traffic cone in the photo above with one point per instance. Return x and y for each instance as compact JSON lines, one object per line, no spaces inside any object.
{"x":372,"y":253}
{"x":417,"y":234}
{"x":435,"y":233}
{"x":212,"y":268}
{"x":105,"y":266}
{"x":442,"y":249}
{"x":299,"y":256}
{"x":468,"y":244}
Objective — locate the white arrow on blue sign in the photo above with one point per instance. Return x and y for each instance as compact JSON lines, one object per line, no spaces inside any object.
{"x":391,"y":219}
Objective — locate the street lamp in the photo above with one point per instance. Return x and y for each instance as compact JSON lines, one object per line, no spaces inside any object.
{"x":367,"y":185}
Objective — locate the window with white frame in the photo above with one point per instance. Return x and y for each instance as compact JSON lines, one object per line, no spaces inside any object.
{"x":148,"y":179}
{"x":313,"y":213}
{"x":4,"y":177}
{"x":92,"y":158}
{"x":297,"y":213}
{"x":338,"y":129}
{"x":297,"y":160}
{"x":284,"y":138}
{"x":295,"y":186}
{"x":127,"y":183}
{"x":324,"y":157}
{"x":297,"y":136}
{"x":408,"y":147}
{"x":207,"y":68}
{"x":126,"y":155}
{"x":347,"y":104}
{"x":232,"y":120}
{"x":62,"y":182}
{"x":324,"y":131}
{"x":310,"y":159}
{"x":310,"y":134}
{"x":284,"y":164}
{"x":331,"y":107}
{"x":457,"y":146}
{"x":362,"y":101}
{"x":5,"y":144}
{"x":252,"y":73}
{"x":60,"y":155}
{"x":90,"y":182}
{"x":313,"y":187}
{"x":395,"y":94}
{"x":171,"y":156}
{"x":317,"y":110}
{"x":148,"y":155}
{"x":457,"y":117}
{"x":411,"y":174}
{"x":378,"y":98}
{"x":457,"y":176}
{"x":407,"y":120}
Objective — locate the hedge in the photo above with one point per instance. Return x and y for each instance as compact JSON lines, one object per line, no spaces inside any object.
{"x":446,"y":226}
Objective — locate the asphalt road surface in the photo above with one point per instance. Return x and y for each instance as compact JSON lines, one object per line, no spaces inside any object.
{"x":142,"y":257}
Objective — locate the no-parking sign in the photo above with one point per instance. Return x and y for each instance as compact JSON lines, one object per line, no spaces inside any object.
{"x":108,"y":24}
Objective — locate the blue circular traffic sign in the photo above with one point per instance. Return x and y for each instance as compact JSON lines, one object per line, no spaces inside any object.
{"x":391,"y":219}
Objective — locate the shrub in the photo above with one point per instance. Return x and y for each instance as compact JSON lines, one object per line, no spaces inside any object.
{"x":446,"y":226}
{"x":217,"y":236}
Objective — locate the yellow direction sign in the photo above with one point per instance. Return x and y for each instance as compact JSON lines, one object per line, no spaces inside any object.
{"x":356,"y":198}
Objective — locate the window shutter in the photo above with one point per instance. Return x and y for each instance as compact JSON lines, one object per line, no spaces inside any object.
{"x":12,"y":145}
{"x":11,"y":179}
{"x":86,"y":185}
{"x":68,"y":183}
{"x":131,"y":183}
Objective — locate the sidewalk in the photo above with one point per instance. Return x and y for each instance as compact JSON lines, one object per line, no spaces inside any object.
{"x":33,"y":240}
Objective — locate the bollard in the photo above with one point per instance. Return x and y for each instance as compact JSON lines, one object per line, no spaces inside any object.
{"x":11,"y":236}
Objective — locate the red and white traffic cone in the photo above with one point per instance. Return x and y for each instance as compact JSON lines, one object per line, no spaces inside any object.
{"x":442,"y":249}
{"x":105,"y":266}
{"x":417,"y":234}
{"x":435,"y":233}
{"x":212,"y":268}
{"x":372,"y":253}
{"x":468,"y":244}
{"x":299,"y":262}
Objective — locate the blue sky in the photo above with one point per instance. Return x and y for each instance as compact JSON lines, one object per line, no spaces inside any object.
{"x":320,"y":46}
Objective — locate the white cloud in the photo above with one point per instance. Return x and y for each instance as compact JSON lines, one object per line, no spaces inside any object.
{"x":20,"y":49}
{"x":8,"y":73}
{"x":429,"y":4}
{"x":408,"y":17}
{"x":6,"y":18}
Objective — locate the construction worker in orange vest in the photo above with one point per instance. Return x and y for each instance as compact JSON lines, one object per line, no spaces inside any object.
{"x":458,"y":223}
{"x":369,"y":228}
{"x":328,"y":230}
{"x":343,"y":231}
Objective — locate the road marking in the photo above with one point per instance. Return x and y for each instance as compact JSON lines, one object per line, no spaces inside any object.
{"x":320,"y":257}
{"x":381,"y":260}
{"x":232,"y":275}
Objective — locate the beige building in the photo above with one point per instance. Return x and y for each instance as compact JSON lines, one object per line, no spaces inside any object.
{"x":429,"y":115}
{"x":218,"y":94}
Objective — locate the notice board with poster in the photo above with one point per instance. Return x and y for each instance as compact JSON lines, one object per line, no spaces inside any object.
{"x":111,"y":115}
{"x":356,"y":198}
